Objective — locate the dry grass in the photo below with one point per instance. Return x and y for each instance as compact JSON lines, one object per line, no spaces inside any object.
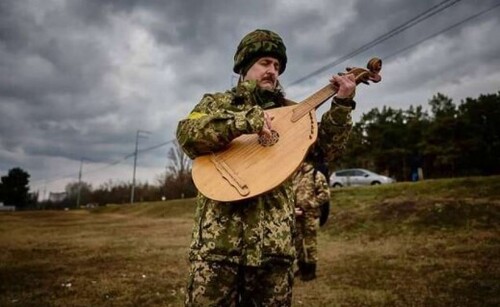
{"x":434,"y":243}
{"x":76,"y":258}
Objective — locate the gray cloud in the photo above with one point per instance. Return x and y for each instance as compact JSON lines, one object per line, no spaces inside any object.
{"x":80,"y":77}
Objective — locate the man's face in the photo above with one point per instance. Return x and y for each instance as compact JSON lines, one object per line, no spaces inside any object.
{"x":265,"y":71}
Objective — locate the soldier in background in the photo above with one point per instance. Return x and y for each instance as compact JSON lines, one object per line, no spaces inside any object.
{"x":242,"y":252}
{"x":311,"y":190}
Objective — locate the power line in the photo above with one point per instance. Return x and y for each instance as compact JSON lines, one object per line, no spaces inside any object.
{"x":410,"y":23}
{"x":157,"y":146}
{"x":130,"y":156}
{"x":73,"y":174}
{"x":108,"y":165}
{"x":406,"y":25}
{"x":442,"y":31}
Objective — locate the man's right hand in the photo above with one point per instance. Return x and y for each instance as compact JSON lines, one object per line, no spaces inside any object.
{"x":266,"y":129}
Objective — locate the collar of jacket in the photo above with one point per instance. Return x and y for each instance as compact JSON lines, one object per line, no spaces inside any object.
{"x":306,"y":167}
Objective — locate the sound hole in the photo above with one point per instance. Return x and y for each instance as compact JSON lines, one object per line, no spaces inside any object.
{"x":266,"y":140}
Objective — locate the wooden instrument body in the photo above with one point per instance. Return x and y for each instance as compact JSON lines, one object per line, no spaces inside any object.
{"x":246,"y":168}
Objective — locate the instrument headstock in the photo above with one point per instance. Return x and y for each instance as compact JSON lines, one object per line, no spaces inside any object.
{"x":364,"y":75}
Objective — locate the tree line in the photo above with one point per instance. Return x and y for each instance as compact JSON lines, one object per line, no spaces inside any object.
{"x":448,"y":140}
{"x":174,"y":183}
{"x":14,"y":189}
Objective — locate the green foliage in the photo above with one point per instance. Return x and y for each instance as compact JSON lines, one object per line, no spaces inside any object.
{"x":15,"y":188}
{"x":428,"y":243}
{"x":461,"y":140}
{"x":425,"y":206}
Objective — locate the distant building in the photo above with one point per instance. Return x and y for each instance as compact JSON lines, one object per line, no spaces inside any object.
{"x":7,"y":208}
{"x":57,"y":197}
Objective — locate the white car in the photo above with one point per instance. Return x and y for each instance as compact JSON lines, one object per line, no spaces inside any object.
{"x":357,"y":176}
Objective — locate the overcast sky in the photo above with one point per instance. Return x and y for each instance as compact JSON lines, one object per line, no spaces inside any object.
{"x":79,"y":78}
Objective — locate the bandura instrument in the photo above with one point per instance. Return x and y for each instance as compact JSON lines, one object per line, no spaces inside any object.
{"x":252,"y":165}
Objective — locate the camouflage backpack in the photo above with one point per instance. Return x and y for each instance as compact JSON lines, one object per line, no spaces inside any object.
{"x":317,"y":159}
{"x":324,"y":208}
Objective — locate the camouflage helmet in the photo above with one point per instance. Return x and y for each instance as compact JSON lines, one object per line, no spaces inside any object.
{"x":257,"y":44}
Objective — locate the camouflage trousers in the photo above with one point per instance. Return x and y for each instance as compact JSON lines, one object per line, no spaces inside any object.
{"x":225,"y":284}
{"x":306,"y":240}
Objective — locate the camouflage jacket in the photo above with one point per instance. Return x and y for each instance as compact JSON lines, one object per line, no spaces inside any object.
{"x":311,"y":189}
{"x":260,"y":229}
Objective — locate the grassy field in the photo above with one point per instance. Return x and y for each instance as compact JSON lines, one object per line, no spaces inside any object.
{"x":432,"y":243}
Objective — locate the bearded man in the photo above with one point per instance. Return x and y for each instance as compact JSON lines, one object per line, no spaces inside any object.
{"x":242,"y":253}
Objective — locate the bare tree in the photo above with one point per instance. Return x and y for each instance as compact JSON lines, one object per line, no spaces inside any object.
{"x":177,"y":182}
{"x":179,"y":163}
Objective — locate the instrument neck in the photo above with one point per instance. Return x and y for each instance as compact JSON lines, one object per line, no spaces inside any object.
{"x":313,"y":102}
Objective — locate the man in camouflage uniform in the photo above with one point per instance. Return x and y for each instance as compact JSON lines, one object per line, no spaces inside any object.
{"x":311,"y":190}
{"x":242,"y":252}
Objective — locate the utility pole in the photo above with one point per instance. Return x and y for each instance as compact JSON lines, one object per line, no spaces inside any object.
{"x":44,"y":190}
{"x":79,"y":185}
{"x":138,"y":135}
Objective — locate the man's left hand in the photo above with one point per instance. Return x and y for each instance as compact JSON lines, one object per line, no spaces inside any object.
{"x":345,"y":84}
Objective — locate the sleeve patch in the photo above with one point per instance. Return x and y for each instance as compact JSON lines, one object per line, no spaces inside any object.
{"x":196,"y":115}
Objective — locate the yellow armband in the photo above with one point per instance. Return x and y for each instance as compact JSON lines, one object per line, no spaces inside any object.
{"x":196,"y":115}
